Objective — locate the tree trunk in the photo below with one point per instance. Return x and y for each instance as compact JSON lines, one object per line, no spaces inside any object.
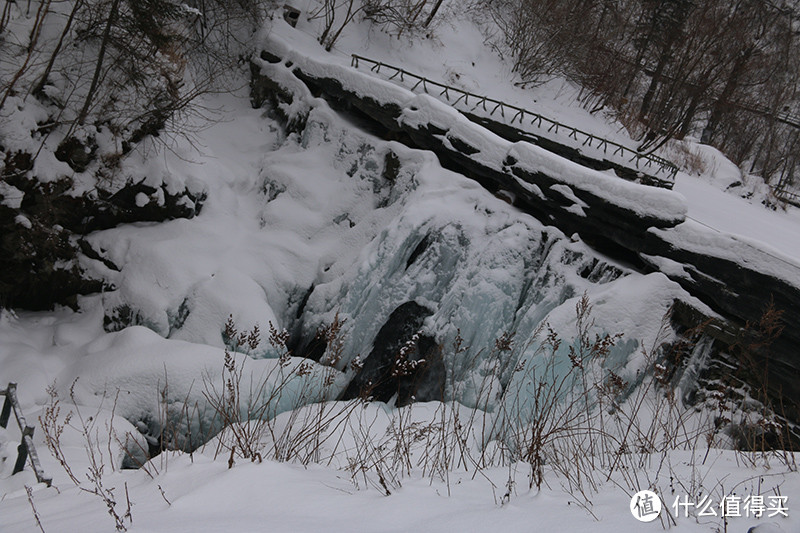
{"x":435,"y":9}
{"x":37,"y":89}
{"x":665,"y":56}
{"x":640,"y":52}
{"x":347,"y":18}
{"x":5,"y":17}
{"x":36,"y":31}
{"x":330,"y":17}
{"x":722,"y":103}
{"x":99,"y":66}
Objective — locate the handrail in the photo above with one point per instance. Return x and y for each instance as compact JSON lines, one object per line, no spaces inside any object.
{"x":787,"y":196}
{"x":647,"y":160}
{"x":26,"y":448}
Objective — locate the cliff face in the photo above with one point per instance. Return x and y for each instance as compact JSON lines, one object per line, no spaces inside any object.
{"x":642,"y":226}
{"x":44,"y":222}
{"x":319,"y":217}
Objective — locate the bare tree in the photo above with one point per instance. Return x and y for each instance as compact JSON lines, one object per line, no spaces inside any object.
{"x":433,"y":12}
{"x":112,"y":16}
{"x":37,"y":88}
{"x":31,"y":49}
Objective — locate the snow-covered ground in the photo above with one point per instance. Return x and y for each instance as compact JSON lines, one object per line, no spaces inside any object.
{"x":201,"y":494}
{"x":285,"y":214}
{"x":776,"y":231}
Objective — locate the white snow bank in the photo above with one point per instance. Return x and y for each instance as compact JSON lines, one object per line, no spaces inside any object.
{"x":755,"y":255}
{"x":197,"y":494}
{"x":776,"y":232}
{"x":279,"y":213}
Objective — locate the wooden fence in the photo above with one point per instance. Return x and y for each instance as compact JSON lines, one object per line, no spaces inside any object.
{"x":26,"y":449}
{"x":788,"y":196}
{"x":659,"y":166}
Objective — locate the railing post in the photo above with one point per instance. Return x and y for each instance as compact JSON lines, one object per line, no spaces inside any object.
{"x":6,"y":412}
{"x":12,"y":387}
{"x":22,"y":456}
{"x":22,"y":451}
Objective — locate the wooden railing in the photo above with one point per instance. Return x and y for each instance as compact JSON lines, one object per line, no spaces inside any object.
{"x":26,"y":448}
{"x":640,"y":161}
{"x":788,"y":196}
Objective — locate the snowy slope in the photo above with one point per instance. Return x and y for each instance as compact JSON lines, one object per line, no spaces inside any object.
{"x":203,"y":495}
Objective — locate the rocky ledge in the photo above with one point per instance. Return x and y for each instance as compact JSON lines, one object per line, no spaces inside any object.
{"x":43,"y":222}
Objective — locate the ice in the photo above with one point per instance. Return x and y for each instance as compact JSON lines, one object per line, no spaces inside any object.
{"x":485,"y":269}
{"x":298,"y":227}
{"x":165,"y":384}
{"x":314,"y":215}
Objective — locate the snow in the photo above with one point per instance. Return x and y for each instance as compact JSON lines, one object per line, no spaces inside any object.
{"x":139,"y":364}
{"x":198,"y":493}
{"x":457,"y":54}
{"x":776,"y":232}
{"x":287,"y":216}
{"x":422,"y":110}
{"x":24,"y":221}
{"x":12,"y":197}
{"x":696,"y":237}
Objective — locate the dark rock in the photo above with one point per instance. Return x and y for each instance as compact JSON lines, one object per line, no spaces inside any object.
{"x":391,"y":166}
{"x":462,"y":146}
{"x":91,"y":253}
{"x":513,"y":134}
{"x":403,"y":361}
{"x":418,"y":251}
{"x":270,"y":58}
{"x":110,"y":210}
{"x":75,"y":153}
{"x":38,"y":266}
{"x":313,"y":348}
{"x":41,"y":241}
{"x":120,"y":318}
{"x":16,"y":165}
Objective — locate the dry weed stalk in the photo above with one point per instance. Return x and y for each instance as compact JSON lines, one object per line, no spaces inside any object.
{"x":246,"y":406}
{"x":97,"y":459}
{"x":29,"y":492}
{"x":572,"y":416}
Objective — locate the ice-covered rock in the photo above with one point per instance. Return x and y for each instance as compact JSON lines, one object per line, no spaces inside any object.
{"x":170,"y":389}
{"x":643,"y":226}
